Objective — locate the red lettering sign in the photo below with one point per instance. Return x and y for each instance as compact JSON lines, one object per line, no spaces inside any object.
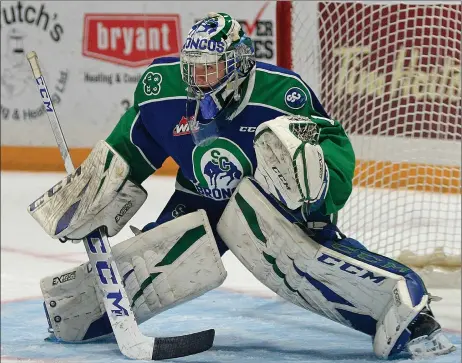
{"x":132,"y":40}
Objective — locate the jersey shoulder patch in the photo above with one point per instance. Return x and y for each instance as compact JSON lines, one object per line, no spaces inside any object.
{"x":161,"y":80}
{"x":279,"y":88}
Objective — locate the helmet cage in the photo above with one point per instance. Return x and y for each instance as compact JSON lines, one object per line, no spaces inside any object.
{"x":215,"y":61}
{"x":215,"y":68}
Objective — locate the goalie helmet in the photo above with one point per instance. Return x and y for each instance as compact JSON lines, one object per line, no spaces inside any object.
{"x":216,"y":60}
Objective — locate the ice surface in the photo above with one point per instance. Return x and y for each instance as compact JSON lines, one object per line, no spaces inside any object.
{"x":252,"y":324}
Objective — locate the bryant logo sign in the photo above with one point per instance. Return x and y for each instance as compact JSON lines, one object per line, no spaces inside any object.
{"x":132,"y":40}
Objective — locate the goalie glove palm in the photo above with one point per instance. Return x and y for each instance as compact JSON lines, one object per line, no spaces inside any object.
{"x":290,"y":162}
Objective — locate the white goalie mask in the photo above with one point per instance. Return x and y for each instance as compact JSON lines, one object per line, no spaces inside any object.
{"x":216,"y":59}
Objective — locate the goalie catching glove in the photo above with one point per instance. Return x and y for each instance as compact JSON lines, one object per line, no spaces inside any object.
{"x":290,"y":162}
{"x":97,"y":194}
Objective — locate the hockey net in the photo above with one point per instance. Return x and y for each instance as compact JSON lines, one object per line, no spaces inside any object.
{"x":391,"y":74}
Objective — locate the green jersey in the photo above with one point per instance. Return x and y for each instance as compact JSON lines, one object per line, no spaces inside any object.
{"x":156,"y":128}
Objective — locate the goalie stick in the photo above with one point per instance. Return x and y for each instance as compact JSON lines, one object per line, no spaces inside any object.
{"x":132,"y":343}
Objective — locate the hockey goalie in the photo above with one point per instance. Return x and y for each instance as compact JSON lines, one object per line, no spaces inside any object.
{"x":263,"y":170}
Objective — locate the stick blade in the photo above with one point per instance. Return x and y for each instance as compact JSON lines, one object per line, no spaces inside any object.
{"x":182,"y":346}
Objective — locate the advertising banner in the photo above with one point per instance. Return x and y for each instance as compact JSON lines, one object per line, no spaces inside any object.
{"x":93,"y":53}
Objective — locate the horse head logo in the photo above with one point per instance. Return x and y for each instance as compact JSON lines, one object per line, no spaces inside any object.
{"x":220,"y":167}
{"x":208,"y":26}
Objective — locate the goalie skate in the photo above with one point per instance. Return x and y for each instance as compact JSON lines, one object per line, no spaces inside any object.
{"x":427,"y":338}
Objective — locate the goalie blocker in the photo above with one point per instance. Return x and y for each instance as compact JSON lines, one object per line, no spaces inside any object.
{"x":331,"y":275}
{"x":99,"y":193}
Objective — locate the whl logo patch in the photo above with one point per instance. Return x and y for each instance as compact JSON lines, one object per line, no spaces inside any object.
{"x":219,"y":167}
{"x":131,"y":40}
{"x":182,"y":128}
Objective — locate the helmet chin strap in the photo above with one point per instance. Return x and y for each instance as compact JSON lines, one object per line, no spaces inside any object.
{"x":217,"y":109}
{"x":209,"y":104}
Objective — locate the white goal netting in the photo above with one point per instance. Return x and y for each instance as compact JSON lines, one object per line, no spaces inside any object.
{"x":391,"y":73}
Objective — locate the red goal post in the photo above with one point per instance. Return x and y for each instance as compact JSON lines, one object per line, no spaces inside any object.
{"x":391,"y":73}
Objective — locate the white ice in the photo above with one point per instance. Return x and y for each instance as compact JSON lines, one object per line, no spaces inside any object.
{"x":252,"y":323}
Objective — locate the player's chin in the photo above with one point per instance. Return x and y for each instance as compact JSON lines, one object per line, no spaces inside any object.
{"x":206,"y":88}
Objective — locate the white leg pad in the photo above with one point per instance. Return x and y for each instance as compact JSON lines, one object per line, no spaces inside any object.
{"x":161,"y":268}
{"x":349,"y":285}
